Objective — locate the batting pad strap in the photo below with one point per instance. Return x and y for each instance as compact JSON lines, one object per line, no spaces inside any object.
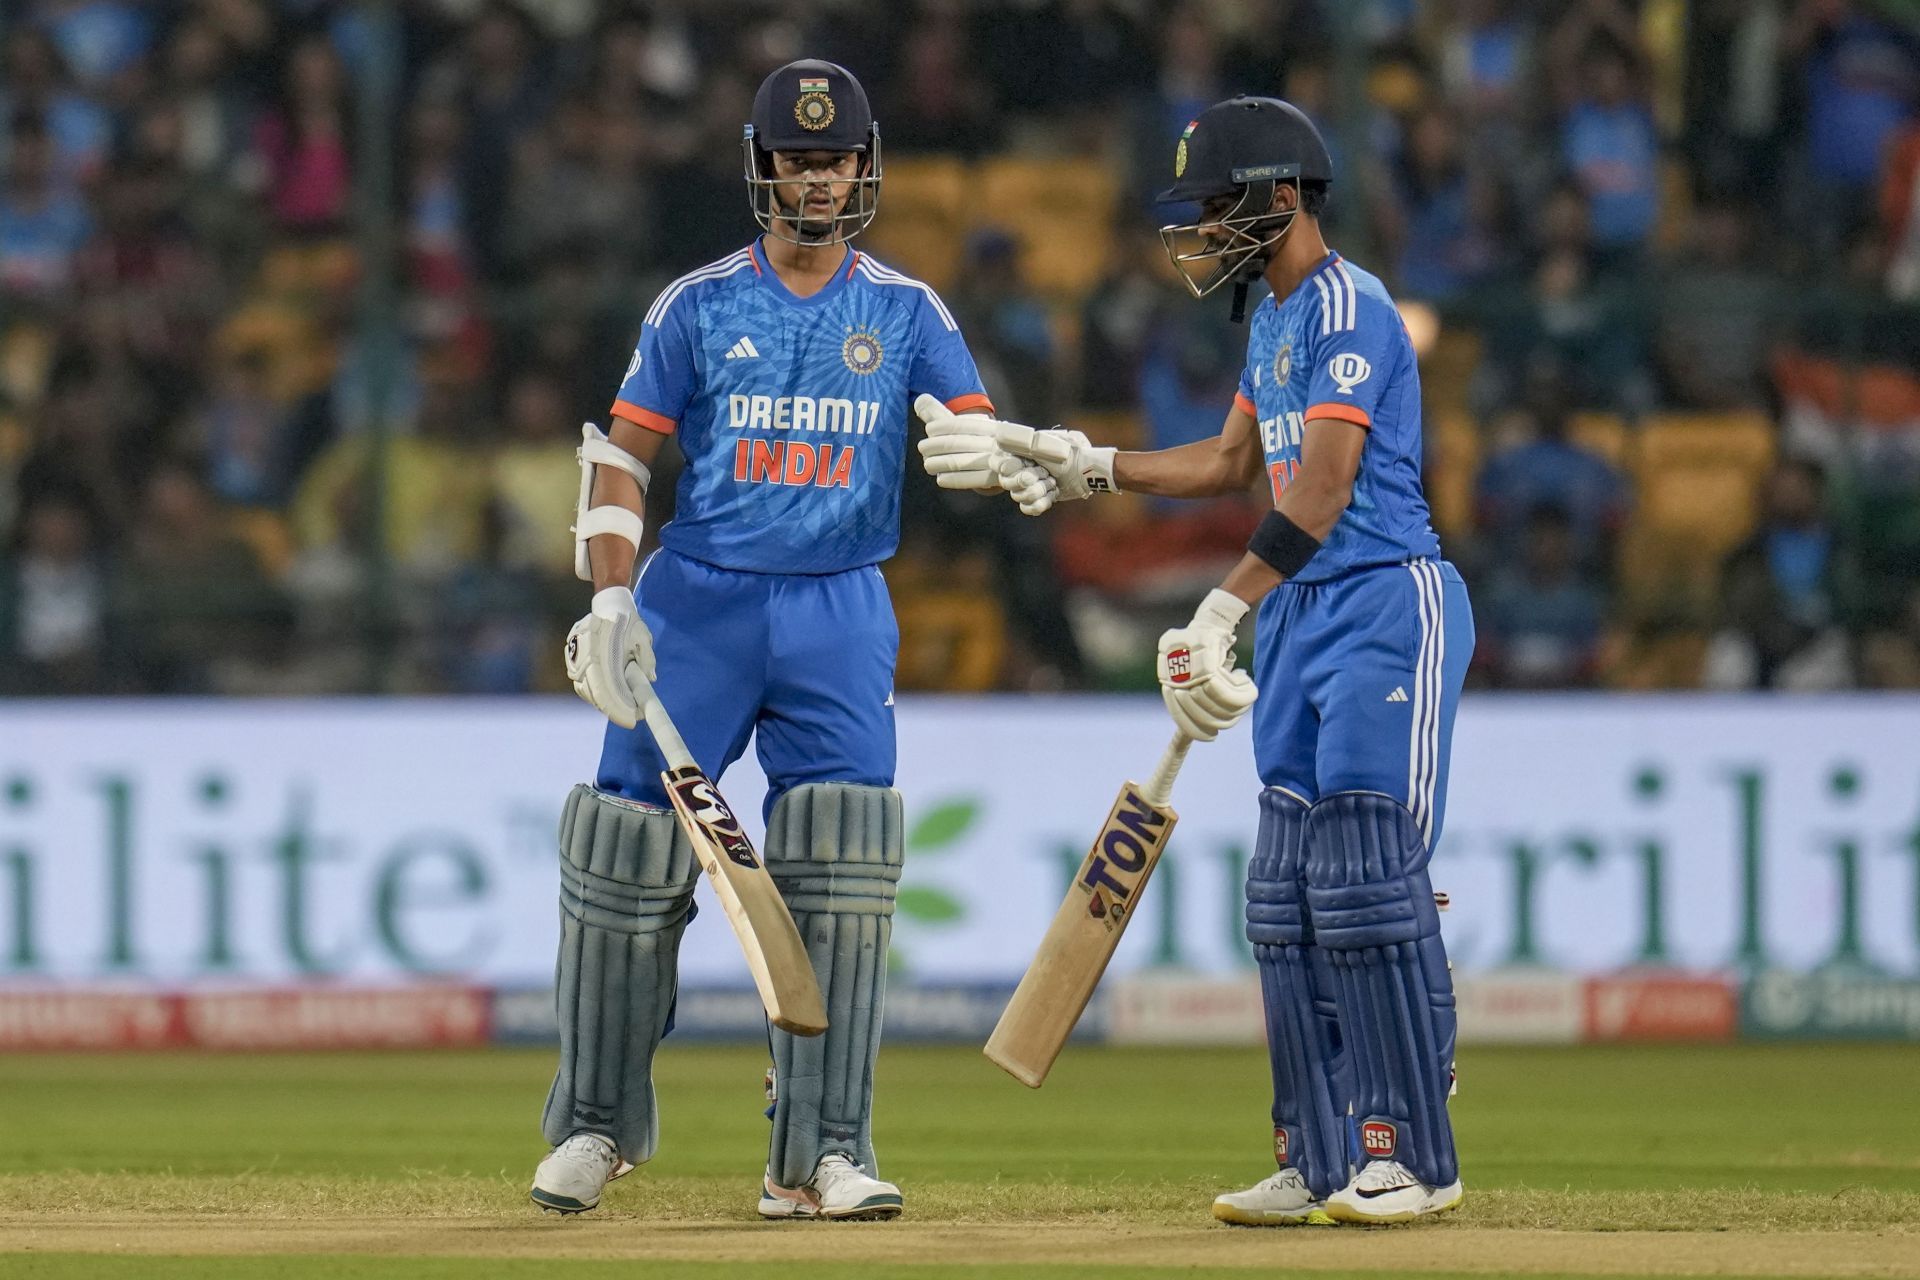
{"x":626,"y":893}
{"x":835,"y":852}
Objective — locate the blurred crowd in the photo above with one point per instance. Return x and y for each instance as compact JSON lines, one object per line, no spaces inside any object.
{"x":292,"y":368}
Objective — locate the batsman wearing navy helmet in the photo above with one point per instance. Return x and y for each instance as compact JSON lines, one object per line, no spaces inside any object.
{"x":785,"y":371}
{"x":1361,"y":646}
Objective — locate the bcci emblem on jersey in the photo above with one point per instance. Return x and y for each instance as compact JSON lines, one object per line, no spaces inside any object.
{"x":813,"y":109}
{"x":862,"y":351}
{"x":1283,"y":364}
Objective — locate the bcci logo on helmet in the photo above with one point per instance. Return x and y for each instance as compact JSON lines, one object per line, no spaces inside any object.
{"x":1180,"y":152}
{"x":813,"y":109}
{"x":862,"y":351}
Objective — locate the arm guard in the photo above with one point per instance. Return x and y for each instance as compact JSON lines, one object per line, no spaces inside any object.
{"x":596,"y":450}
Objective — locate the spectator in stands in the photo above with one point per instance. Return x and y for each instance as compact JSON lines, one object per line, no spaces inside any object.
{"x":937,"y":99}
{"x":1718,"y":314}
{"x":53,"y":601}
{"x":491,"y":636}
{"x":34,"y":84}
{"x":436,"y":485}
{"x":1781,"y":594}
{"x":571,"y":188}
{"x":1119,"y":316}
{"x":1607,"y":136}
{"x":1006,"y":327}
{"x":103,"y":41}
{"x":191,"y":598}
{"x":1539,"y":466}
{"x":1544,"y":620}
{"x":1441,"y":221}
{"x":504,"y":93}
{"x":1861,"y":78}
{"x":1900,"y":214}
{"x":43,"y":220}
{"x":535,"y":474}
{"x":196,"y":79}
{"x":304,"y":145}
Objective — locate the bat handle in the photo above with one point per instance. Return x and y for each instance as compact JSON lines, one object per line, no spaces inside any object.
{"x":1159,"y":789}
{"x":671,"y":744}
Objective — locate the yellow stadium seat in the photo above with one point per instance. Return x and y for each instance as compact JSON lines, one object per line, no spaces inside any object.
{"x":953,"y":640}
{"x":1742,"y":440}
{"x":1059,"y":209}
{"x":267,"y":534}
{"x":1453,"y":465}
{"x":921,"y":227}
{"x":1603,"y":433}
{"x":1706,"y":511}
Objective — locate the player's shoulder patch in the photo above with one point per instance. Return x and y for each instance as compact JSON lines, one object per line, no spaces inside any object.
{"x":719,"y":269}
{"x":878,"y":273}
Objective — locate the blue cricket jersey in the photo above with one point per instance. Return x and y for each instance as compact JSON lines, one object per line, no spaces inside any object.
{"x":792,"y":412}
{"x":1336,"y":348}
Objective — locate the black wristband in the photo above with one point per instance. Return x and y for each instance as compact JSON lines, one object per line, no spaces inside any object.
{"x":1284,"y":545}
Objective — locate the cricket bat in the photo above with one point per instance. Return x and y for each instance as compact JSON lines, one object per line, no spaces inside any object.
{"x":753,"y":906}
{"x":1104,"y":896}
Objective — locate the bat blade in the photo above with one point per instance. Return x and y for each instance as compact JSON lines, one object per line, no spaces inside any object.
{"x":1100,"y":903}
{"x":776,"y":956}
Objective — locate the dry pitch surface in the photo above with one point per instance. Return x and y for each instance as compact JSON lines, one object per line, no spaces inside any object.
{"x":1743,"y":1161}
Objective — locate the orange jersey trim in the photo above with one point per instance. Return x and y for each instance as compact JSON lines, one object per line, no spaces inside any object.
{"x":853,"y":260}
{"x":1342,"y":412}
{"x":1244,"y":405}
{"x":961,"y":404}
{"x":645,"y":417}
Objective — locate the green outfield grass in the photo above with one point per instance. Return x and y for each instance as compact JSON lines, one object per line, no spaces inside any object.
{"x":365,"y":1164}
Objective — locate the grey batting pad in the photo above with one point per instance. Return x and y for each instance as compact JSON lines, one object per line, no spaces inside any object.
{"x":626,"y":886}
{"x":835,"y":852}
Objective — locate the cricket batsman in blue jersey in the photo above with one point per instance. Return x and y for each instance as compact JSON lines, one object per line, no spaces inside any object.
{"x":1361,"y":646}
{"x":785,"y":371}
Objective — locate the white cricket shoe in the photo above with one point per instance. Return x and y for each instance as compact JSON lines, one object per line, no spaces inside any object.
{"x":1385,"y":1191}
{"x":574,"y":1173}
{"x":1279,"y":1201}
{"x":839,"y":1190}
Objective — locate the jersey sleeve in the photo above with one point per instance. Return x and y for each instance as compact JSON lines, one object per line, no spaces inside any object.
{"x":942,"y":366}
{"x":660,"y":377}
{"x":1243,"y":398}
{"x":1357,"y":339}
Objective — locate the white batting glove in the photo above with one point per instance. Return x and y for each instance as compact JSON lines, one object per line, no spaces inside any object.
{"x":598,"y":650}
{"x":1031,"y":485}
{"x":958,"y":451}
{"x":1077,"y":465}
{"x":1203,"y":690}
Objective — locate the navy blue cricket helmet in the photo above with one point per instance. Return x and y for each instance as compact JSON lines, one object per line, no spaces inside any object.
{"x":1242,"y":147}
{"x":811,"y":105}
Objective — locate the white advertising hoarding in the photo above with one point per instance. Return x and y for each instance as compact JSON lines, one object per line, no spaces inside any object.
{"x":183,"y":842}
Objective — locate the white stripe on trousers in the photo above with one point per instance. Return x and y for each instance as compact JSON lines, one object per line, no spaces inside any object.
{"x":1423,"y":746}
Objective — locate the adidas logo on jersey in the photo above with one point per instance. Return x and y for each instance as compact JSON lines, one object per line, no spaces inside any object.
{"x":743,"y":350}
{"x":1398,"y":695}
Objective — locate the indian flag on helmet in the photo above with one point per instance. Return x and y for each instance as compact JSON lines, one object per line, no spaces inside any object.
{"x":813,"y":86}
{"x":1180,"y":152}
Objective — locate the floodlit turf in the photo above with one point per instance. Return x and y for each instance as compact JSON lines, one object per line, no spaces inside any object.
{"x":1801,"y":1156}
